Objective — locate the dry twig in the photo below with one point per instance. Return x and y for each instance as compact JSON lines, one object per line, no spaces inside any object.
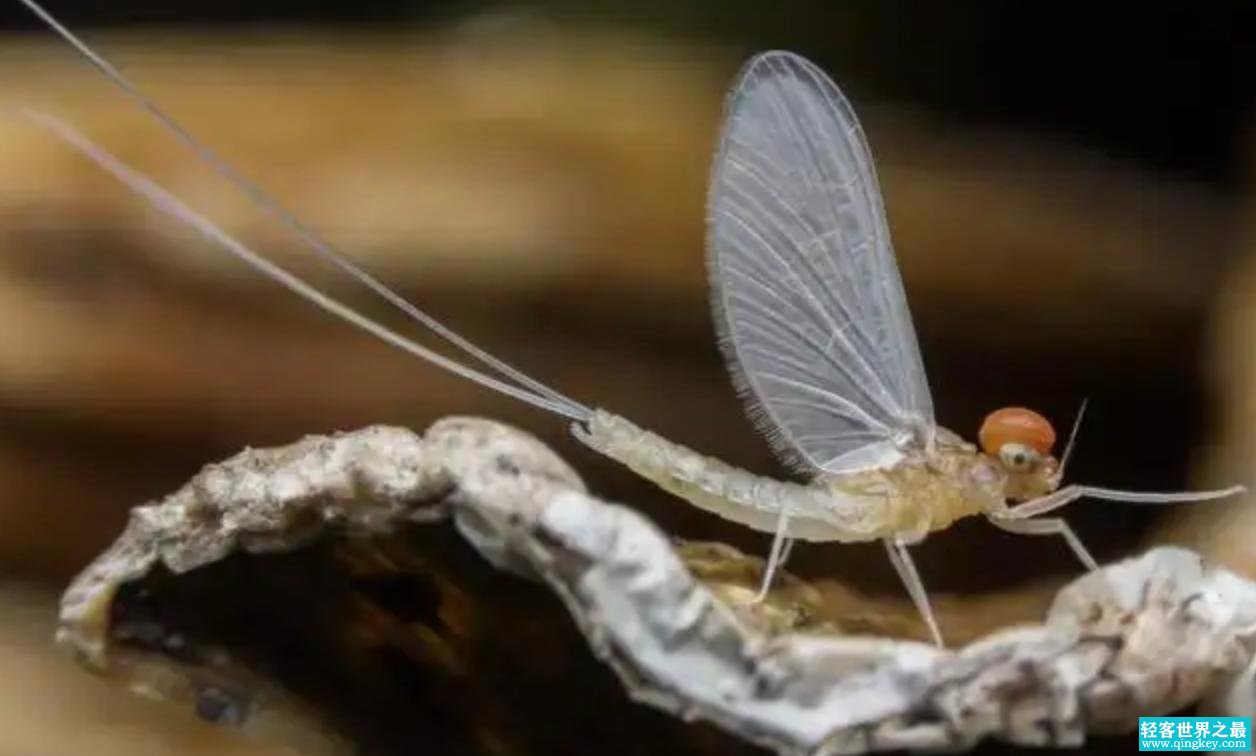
{"x":1146,"y":636}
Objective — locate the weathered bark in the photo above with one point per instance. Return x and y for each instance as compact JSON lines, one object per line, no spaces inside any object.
{"x":317,"y":594}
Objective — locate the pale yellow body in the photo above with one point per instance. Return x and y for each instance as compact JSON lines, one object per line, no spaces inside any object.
{"x":911,"y":499}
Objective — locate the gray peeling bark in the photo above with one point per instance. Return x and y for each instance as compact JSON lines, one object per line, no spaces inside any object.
{"x":315,"y":595}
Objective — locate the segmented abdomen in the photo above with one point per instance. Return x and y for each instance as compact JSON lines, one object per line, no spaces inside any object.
{"x":816,"y":513}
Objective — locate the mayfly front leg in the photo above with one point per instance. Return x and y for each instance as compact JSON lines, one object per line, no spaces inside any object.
{"x":1023,"y":518}
{"x":1045,"y":526}
{"x":1070,"y":494}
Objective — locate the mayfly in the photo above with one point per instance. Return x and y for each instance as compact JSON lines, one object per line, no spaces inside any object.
{"x":815,"y":325}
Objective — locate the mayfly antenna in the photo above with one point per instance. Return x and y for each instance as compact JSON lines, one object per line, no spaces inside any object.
{"x":1072,"y":439}
{"x":290,"y":220}
{"x":168,"y":203}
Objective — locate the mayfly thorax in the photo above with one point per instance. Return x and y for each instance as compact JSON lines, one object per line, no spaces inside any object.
{"x":813,"y":319}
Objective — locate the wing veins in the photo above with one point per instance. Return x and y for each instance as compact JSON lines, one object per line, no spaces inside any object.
{"x":833,"y":328}
{"x":807,"y":291}
{"x":838,"y":401}
{"x":805,"y":366}
{"x":827,"y":315}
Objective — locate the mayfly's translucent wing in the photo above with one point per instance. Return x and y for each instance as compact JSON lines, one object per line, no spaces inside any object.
{"x":806,"y":291}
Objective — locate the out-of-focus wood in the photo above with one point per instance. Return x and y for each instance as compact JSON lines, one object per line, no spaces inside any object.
{"x":577,"y":166}
{"x":1226,"y":530}
{"x":544,"y":197}
{"x":49,"y":707}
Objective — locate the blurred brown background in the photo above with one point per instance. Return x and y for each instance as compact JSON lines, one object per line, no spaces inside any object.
{"x":1069,"y":187}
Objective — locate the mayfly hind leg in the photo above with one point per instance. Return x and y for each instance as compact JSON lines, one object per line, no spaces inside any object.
{"x":1047,"y":526}
{"x":897,"y":549}
{"x":781,"y":546}
{"x":787,"y":550}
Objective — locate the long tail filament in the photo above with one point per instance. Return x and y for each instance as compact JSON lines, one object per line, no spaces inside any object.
{"x":527,"y":389}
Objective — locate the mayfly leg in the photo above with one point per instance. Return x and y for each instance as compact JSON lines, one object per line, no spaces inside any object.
{"x":1069,"y":494}
{"x":906,"y":568}
{"x":781,"y":546}
{"x":1048,"y":526}
{"x":785,"y":552}
{"x":1024,"y":518}
{"x":777,"y":558}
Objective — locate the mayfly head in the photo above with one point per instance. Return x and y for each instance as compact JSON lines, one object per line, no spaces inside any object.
{"x":1020,"y":441}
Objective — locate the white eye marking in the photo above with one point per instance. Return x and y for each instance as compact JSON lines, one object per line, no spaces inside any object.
{"x":1018,"y":457}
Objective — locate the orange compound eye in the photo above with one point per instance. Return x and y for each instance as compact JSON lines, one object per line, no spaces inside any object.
{"x":1016,"y":425}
